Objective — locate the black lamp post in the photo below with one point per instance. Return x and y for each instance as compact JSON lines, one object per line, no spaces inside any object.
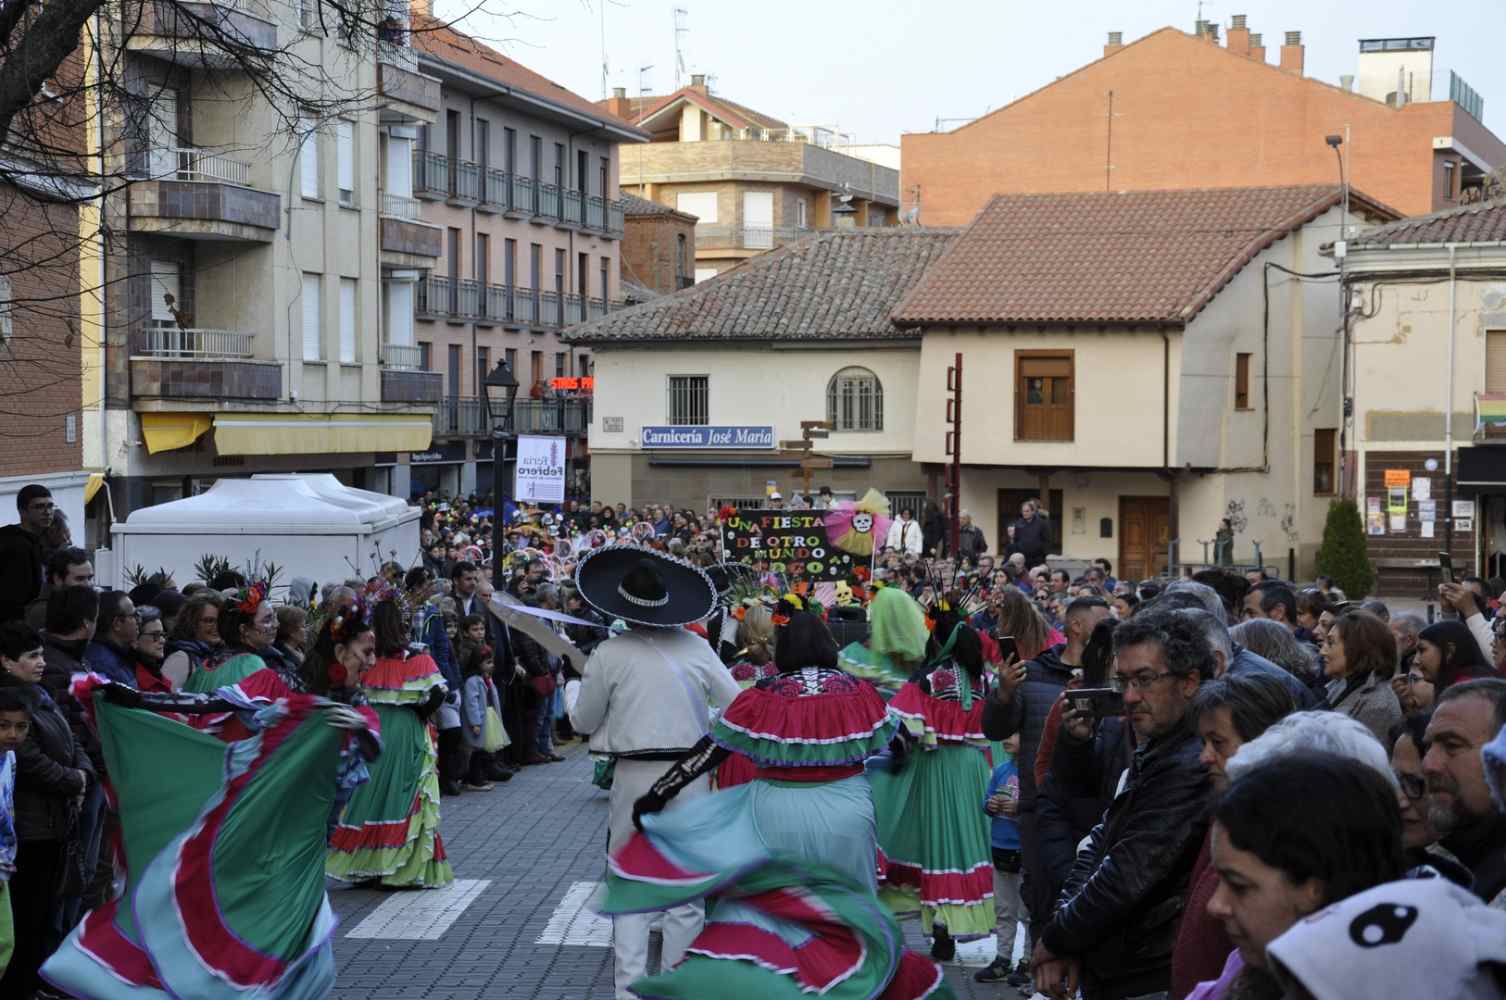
{"x":501,"y":389}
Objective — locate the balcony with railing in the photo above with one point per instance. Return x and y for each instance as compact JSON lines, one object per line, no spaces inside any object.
{"x":198,"y":194}
{"x":171,"y":361}
{"x":403,"y":377}
{"x":407,"y":95}
{"x":571,"y":211}
{"x":437,"y":176}
{"x":496,"y":189}
{"x":396,"y":206}
{"x":525,"y":196}
{"x":725,"y":236}
{"x":199,"y":35}
{"x":405,"y":240}
{"x":439,"y":297}
{"x":468,"y":416}
{"x":790,"y":162}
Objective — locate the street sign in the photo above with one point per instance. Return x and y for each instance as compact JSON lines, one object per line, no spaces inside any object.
{"x":806,"y":425}
{"x":796,"y":445}
{"x":814,"y":463}
{"x":812,"y":435}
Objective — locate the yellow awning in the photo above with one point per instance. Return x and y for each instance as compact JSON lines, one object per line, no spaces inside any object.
{"x":320,"y":433}
{"x":169,"y":431}
{"x":91,"y":487}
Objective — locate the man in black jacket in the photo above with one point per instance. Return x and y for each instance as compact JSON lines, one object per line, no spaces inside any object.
{"x":1030,"y":535}
{"x":1468,"y":716}
{"x":1116,"y":922}
{"x":1020,"y":705}
{"x":21,"y":559}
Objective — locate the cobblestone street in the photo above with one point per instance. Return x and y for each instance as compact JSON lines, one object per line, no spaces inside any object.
{"x":515,"y":924}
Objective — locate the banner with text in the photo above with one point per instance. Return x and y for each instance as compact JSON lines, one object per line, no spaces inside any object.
{"x":789,"y":540}
{"x":539,"y":475}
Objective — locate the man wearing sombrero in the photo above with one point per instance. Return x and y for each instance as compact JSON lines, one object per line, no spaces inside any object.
{"x":646,"y":699}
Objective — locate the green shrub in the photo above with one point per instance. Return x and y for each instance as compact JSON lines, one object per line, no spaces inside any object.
{"x":1342,"y":555}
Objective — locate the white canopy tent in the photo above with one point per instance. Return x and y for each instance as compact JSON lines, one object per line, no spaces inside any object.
{"x":309,"y":525}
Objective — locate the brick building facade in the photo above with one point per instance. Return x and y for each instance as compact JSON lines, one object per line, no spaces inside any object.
{"x":39,"y":352}
{"x":1173,"y":110}
{"x":658,"y":246}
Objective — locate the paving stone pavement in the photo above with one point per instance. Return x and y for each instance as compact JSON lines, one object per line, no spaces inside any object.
{"x":532,"y":841}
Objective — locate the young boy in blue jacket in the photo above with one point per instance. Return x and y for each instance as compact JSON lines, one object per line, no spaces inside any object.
{"x":1002,"y":803}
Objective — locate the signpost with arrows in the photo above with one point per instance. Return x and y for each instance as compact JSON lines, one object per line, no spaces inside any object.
{"x":811,"y":431}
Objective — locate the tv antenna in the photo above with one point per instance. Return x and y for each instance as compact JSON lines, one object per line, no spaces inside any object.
{"x":682,"y":28}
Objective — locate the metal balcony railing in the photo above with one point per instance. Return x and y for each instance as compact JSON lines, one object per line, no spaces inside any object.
{"x":437,"y":295}
{"x":596,"y":213}
{"x":525,"y":306}
{"x":437,"y":174}
{"x":496,"y":189}
{"x":464,"y":180}
{"x":614,"y":217}
{"x":492,"y":303}
{"x":398,"y":207}
{"x":408,"y":357}
{"x":548,"y":203}
{"x":525,"y":194}
{"x":735,"y":237}
{"x":390,"y":53}
{"x":551,"y":310}
{"x":186,"y":164}
{"x":596,"y":308}
{"x":469,"y":416}
{"x":570,"y":210}
{"x":192,"y":343}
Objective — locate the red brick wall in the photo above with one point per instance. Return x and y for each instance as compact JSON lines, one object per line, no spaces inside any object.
{"x":648,"y":250}
{"x":1187,"y":114}
{"x":39,"y":366}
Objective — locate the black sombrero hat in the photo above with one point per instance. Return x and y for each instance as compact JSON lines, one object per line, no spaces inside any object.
{"x":645,"y":587}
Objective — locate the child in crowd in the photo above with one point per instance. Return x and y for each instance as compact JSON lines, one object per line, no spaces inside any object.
{"x":15,"y":724}
{"x":480,"y":704}
{"x":1002,"y":803}
{"x":473,"y":629}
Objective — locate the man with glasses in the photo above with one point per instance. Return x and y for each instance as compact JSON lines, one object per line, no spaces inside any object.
{"x":21,"y":560}
{"x":1116,"y":922}
{"x":109,"y":654}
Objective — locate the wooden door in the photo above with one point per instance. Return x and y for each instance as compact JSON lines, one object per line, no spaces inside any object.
{"x":1144,"y":531}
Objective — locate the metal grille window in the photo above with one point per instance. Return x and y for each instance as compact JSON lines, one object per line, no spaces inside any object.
{"x":689,"y":401}
{"x":855,"y":401}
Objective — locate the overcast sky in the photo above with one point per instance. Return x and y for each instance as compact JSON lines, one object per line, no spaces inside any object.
{"x":881,"y":67}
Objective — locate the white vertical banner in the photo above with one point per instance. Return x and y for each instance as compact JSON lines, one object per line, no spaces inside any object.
{"x":539,"y":474}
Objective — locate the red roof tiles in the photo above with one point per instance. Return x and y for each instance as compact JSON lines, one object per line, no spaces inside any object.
{"x":1126,"y":257}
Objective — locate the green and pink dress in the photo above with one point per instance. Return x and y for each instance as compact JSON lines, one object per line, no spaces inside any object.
{"x":786,"y":859}
{"x":390,"y":828}
{"x":223,"y":851}
{"x":933,"y":835}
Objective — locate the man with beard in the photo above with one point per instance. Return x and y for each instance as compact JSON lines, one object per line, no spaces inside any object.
{"x":1467,"y":717}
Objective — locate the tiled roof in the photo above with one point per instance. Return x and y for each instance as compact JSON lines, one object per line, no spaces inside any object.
{"x":734,"y":114}
{"x":837,"y":285}
{"x":1125,"y":257}
{"x":434,"y":37}
{"x":1484,"y":222}
{"x":636,"y":207}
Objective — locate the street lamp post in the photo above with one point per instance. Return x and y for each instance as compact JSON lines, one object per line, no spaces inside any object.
{"x":1334,"y":142}
{"x":501,"y":390}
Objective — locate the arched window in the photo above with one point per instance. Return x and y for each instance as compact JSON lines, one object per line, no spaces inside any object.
{"x":855,"y":401}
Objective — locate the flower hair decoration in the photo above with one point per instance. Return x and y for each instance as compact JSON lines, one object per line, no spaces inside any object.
{"x":250,"y":598}
{"x":350,"y":621}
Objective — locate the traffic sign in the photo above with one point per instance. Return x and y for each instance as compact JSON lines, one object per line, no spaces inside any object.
{"x":811,"y":435}
{"x":796,"y":445}
{"x":814,"y":463}
{"x":806,"y":425}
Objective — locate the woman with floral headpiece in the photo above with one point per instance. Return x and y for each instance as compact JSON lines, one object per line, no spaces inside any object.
{"x":390,"y":829}
{"x":248,"y":626}
{"x":936,"y":839}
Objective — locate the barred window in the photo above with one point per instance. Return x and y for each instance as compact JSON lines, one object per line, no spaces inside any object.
{"x":688,"y":400}
{"x":855,"y":401}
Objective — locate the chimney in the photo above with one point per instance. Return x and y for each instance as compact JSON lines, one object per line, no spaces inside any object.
{"x":1346,"y":82}
{"x":1116,"y":42}
{"x":620,"y":93}
{"x":1210,"y":31}
{"x":1292,"y":53}
{"x":698,"y":82}
{"x":1239,"y":36}
{"x":1257,"y":47}
{"x":619,"y":105}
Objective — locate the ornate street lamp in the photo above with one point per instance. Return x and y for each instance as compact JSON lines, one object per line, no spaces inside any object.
{"x":501,"y":389}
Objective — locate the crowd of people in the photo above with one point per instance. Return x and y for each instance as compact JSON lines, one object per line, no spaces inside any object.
{"x":1212,"y":787}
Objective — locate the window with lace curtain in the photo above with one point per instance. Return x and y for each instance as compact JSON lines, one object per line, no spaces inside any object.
{"x":855,"y":401}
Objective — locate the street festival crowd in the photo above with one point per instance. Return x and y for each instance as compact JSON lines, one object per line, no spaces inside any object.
{"x":1222,"y":786}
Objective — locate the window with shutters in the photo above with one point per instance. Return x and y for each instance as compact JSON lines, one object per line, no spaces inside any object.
{"x":345,"y":156}
{"x":313,"y":327}
{"x":1043,"y":406}
{"x":701,"y":204}
{"x":1324,"y":456}
{"x":1495,"y":361}
{"x":689,"y":400}
{"x":347,"y":321}
{"x":1241,"y":381}
{"x":855,"y":401}
{"x":308,"y":166}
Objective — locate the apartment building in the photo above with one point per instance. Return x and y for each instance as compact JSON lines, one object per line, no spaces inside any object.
{"x":1179,"y":110}
{"x":258,"y":281}
{"x":519,"y":176}
{"x":753,"y":182}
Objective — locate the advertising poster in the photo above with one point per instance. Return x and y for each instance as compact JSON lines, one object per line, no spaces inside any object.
{"x":540,"y":473}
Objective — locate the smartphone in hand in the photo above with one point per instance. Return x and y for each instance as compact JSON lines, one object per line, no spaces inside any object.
{"x":1008,"y":648}
{"x":1446,"y":567}
{"x":1101,"y":702}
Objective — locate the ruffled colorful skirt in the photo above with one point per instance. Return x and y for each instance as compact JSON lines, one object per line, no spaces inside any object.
{"x":787,"y":868}
{"x":935,"y":836}
{"x":224,"y":852}
{"x":390,"y":827}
